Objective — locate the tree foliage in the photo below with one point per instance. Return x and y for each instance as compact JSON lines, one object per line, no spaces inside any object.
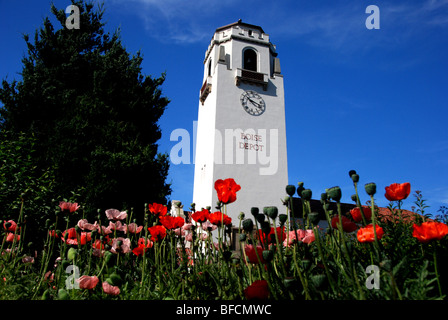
{"x":92,"y":111}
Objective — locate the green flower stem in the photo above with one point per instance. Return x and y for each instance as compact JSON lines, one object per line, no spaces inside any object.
{"x":375,"y":242}
{"x":437,"y":273}
{"x":324,"y":262}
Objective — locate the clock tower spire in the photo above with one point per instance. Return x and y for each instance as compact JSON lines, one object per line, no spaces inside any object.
{"x":241,"y":121}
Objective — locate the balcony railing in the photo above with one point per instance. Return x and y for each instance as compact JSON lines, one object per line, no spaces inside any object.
{"x":205,"y":89}
{"x":258,"y":78}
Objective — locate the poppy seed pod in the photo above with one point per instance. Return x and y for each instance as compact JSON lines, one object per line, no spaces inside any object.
{"x":306,"y":194}
{"x":254,"y":211}
{"x":355,"y":177}
{"x":370,"y":188}
{"x":351,"y":172}
{"x":282,"y":218}
{"x":271,"y":212}
{"x":323,"y":196}
{"x":334,"y":193}
{"x":242,"y":237}
{"x":354,"y":198}
{"x":248,"y":225}
{"x":260,"y":218}
{"x":265,"y":227}
{"x":290,"y":190}
{"x":300,"y":188}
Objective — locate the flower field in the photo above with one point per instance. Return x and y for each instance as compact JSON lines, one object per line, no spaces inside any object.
{"x":359,"y":256}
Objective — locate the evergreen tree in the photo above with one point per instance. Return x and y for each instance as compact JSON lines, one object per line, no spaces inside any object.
{"x":93,"y":113}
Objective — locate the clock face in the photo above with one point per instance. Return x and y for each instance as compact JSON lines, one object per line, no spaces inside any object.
{"x":253,"y":103}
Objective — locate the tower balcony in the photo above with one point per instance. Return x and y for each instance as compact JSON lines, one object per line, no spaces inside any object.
{"x":205,"y":89}
{"x":252,"y":77}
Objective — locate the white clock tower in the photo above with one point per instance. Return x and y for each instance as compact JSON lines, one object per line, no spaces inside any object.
{"x":241,"y":121}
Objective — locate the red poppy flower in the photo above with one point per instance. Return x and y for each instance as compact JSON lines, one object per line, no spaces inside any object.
{"x":68,"y":206}
{"x":259,"y":289}
{"x":249,"y":249}
{"x":366,"y":234}
{"x":170,"y":222}
{"x":72,"y":237}
{"x":10,"y":237}
{"x":141,"y":246}
{"x":347,"y":224}
{"x":356,"y":213}
{"x":158,"y":209}
{"x":200,"y":216}
{"x":271,"y":235}
{"x":10,"y":225}
{"x":226,"y":190}
{"x":157,"y":232}
{"x":430,"y":230}
{"x":396,"y":191}
{"x":216,"y":218}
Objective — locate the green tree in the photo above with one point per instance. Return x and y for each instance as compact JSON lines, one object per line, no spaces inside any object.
{"x":93,"y":113}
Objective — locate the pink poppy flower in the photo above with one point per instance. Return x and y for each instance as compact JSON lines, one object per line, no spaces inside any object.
{"x":208,"y":226}
{"x":117,"y":226}
{"x":85,"y":225}
{"x":123,"y":247}
{"x":28,"y":259}
{"x":87,"y":282}
{"x":114,"y":214}
{"x":68,"y":206}
{"x":109,"y":289}
{"x":134,"y":228}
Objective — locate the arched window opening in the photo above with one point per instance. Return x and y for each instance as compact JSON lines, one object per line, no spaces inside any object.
{"x":250,"y":60}
{"x":209,"y":67}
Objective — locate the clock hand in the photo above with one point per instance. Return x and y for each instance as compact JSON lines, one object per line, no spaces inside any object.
{"x":258,"y":105}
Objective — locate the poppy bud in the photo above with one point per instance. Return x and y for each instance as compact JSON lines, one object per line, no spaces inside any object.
{"x":290,"y":190}
{"x":71,"y":254}
{"x":282,"y":217}
{"x":108,"y":256}
{"x":242,"y":237}
{"x":241,"y":216}
{"x":271,"y":212}
{"x":267,"y":255}
{"x":354,"y":198}
{"x":319,"y":281}
{"x":306,"y":194}
{"x":334,"y":193}
{"x":63,"y":295}
{"x":46,"y":295}
{"x":115,"y":279}
{"x":370,"y":188}
{"x":254,"y":211}
{"x":306,"y":264}
{"x":248,"y":225}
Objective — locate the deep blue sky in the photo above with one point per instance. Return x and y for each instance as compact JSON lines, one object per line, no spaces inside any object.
{"x":370,"y":100}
